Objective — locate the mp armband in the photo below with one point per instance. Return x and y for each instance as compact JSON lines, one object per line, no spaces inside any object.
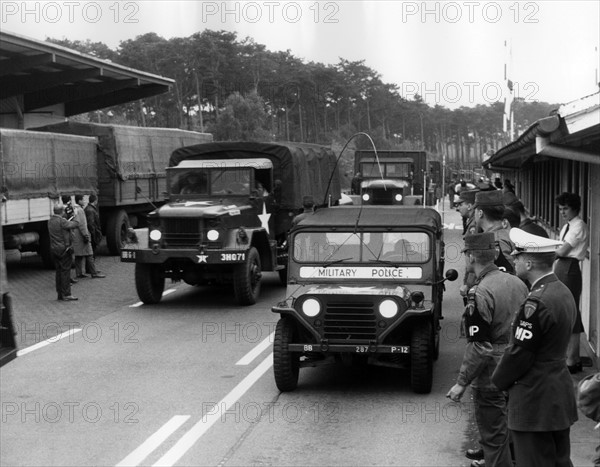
{"x":527,"y":329}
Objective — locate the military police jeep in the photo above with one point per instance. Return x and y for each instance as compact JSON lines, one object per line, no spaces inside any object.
{"x":365,"y":284}
{"x":229,"y":208}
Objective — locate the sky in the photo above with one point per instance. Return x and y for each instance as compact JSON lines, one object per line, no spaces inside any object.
{"x":451,"y":53}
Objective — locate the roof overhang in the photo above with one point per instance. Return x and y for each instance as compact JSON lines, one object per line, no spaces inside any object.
{"x":573,"y":133}
{"x":46,"y":74}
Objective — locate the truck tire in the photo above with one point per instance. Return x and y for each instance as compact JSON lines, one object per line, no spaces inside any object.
{"x":149,"y":282}
{"x":116,"y":231}
{"x":421,"y":358}
{"x":45,"y":251}
{"x":246,"y":279}
{"x":286,"y":364}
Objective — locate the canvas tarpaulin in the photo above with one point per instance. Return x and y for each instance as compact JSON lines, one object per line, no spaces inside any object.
{"x":41,"y":164}
{"x":304,"y":169}
{"x":129,"y":151}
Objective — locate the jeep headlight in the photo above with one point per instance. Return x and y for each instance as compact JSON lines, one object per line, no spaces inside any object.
{"x":366,"y":197}
{"x":398,"y":197}
{"x":212,"y":235}
{"x":155,"y":235}
{"x":388,"y":308}
{"x":311,"y":307}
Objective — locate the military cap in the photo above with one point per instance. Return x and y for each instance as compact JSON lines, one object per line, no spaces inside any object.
{"x":509,"y":198}
{"x":480,"y":241}
{"x":308,"y":201}
{"x":531,"y":244}
{"x":468,"y":196}
{"x":488,"y":198}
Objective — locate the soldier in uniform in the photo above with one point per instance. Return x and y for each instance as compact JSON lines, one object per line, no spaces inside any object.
{"x":541,"y":398}
{"x":489,"y":210}
{"x":466,"y":204}
{"x":491,"y":303}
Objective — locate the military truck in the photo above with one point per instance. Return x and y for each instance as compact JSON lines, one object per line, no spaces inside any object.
{"x":365,"y":286}
{"x":35,"y":169}
{"x":218,"y":226}
{"x":392,"y":177}
{"x":131,"y":164}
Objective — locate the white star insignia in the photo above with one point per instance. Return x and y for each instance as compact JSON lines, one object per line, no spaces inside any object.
{"x":264,"y":217}
{"x":202,"y":258}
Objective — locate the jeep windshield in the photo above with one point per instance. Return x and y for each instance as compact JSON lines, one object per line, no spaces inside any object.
{"x":210,"y":182}
{"x":327,"y":248}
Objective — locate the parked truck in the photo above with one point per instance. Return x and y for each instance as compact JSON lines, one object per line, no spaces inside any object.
{"x":218,"y":227}
{"x":131,"y":164}
{"x":35,"y":169}
{"x":392,"y":177}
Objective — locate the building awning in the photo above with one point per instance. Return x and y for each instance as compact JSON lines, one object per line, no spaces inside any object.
{"x":572,"y":133}
{"x":39,"y":74}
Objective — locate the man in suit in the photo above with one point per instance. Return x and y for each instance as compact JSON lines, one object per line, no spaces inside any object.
{"x":541,"y":398}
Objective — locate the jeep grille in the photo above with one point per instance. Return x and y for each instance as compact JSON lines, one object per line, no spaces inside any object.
{"x":181,"y":232}
{"x":346,"y":322}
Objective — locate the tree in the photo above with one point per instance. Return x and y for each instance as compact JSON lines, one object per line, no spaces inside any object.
{"x":243,"y":119}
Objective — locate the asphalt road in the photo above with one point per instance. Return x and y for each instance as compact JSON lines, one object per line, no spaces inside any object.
{"x":190,"y":382}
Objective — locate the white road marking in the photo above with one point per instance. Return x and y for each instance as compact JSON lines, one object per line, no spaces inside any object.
{"x":146,"y":448}
{"x":49,"y":341}
{"x":256,"y":351}
{"x":208,"y":420}
{"x":166,"y":292}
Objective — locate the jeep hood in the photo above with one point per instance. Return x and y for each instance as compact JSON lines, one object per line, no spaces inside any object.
{"x":328,"y":289}
{"x":205,"y":208}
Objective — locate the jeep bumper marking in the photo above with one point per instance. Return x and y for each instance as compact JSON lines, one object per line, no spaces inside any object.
{"x":353,"y":348}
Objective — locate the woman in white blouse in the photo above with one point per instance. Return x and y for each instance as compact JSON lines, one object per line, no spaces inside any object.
{"x":575,"y":236}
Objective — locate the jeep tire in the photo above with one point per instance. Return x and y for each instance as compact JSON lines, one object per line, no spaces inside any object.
{"x":286,"y":364}
{"x":149,"y":282}
{"x":421,"y":357}
{"x":246,"y":279}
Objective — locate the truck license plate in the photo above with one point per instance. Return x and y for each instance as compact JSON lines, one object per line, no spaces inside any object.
{"x":127,"y":254}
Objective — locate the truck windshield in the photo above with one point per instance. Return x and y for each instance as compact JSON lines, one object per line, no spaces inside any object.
{"x":210,"y":182}
{"x":389,"y":169}
{"x":361,"y":247}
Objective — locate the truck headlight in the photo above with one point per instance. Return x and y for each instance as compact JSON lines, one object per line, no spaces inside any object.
{"x":388,"y":308}
{"x":155,"y":235}
{"x":311,"y":307}
{"x":366,"y":197}
{"x":398,"y":197}
{"x":212,"y":235}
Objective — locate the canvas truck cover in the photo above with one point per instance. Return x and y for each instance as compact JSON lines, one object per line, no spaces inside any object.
{"x":304,"y":169}
{"x":35,"y":165}
{"x":130,"y":151}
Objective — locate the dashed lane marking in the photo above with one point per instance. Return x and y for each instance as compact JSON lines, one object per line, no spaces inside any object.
{"x":209,"y":419}
{"x":49,"y":341}
{"x":148,"y":446}
{"x":256,"y":351}
{"x":166,"y":292}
